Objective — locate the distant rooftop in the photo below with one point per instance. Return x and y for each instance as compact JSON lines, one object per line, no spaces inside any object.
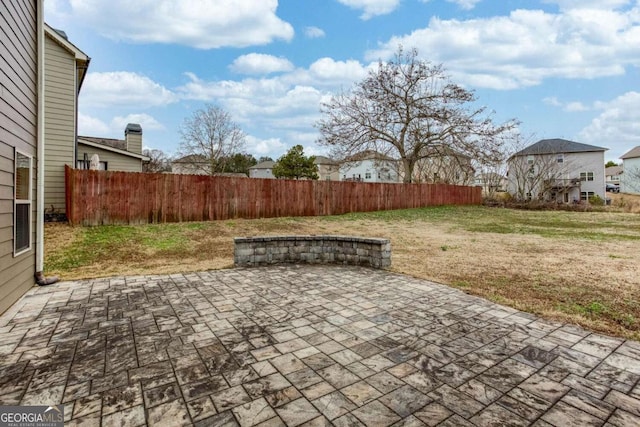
{"x":555,"y":146}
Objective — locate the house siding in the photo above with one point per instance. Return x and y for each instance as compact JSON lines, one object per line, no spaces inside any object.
{"x":18,"y":131}
{"x":60,"y":122}
{"x":589,"y":162}
{"x":630,"y":178}
{"x":359,"y":170}
{"x":115,"y":161}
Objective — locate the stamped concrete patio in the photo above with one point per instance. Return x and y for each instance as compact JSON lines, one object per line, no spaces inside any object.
{"x":306,"y":345}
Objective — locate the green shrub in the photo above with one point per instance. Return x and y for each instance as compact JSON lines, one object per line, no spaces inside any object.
{"x":596,"y":200}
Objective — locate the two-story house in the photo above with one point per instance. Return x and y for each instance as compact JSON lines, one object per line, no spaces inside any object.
{"x":262,"y":170}
{"x":328,"y":169}
{"x":630,"y":182}
{"x":557,"y":170}
{"x":65,"y":68}
{"x":369,"y":166}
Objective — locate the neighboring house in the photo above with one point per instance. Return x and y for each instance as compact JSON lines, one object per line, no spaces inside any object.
{"x":65,"y":69}
{"x":328,"y":169}
{"x":369,"y":166}
{"x":557,"y":170}
{"x":441,"y":164}
{"x":613,"y":174}
{"x":262,"y":170}
{"x":114,"y":154}
{"x":491,"y":183}
{"x":21,"y":145}
{"x":192,"y":164}
{"x":630,"y":182}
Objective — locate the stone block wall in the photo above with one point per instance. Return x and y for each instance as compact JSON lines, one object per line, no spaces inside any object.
{"x":255,"y":251}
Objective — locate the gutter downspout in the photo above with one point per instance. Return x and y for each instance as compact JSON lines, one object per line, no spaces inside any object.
{"x":39,"y":276}
{"x":40,"y":143}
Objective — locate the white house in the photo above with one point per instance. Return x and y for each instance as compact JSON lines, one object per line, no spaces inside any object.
{"x":369,"y":166}
{"x":613,"y":174}
{"x":262,"y":170}
{"x":630,"y":182}
{"x":557,"y":170}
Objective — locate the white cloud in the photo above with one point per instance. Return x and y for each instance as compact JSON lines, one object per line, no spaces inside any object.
{"x":617,"y":126}
{"x":272,"y":147}
{"x":91,"y":126}
{"x":573,"y":106}
{"x":57,"y":10}
{"x":589,"y":4}
{"x":330,"y":70}
{"x":285,"y":104}
{"x":371,"y":8}
{"x":123,"y":88}
{"x":146,"y":121}
{"x":528,"y":46}
{"x":314,"y":32}
{"x":258,"y":63}
{"x":203,"y":24}
{"x":465,"y":4}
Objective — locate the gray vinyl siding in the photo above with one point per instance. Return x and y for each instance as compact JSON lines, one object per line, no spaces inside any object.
{"x":18,"y":130}
{"x":59,"y":122}
{"x":115,"y":161}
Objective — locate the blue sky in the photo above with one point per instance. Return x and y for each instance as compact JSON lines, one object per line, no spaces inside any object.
{"x":564,"y":68}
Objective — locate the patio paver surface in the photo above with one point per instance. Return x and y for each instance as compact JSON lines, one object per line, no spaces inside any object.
{"x":306,"y":345}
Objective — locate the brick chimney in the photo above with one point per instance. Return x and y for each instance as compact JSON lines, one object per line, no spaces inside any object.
{"x":133,"y":138}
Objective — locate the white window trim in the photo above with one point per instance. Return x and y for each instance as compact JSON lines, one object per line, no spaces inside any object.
{"x":17,"y":202}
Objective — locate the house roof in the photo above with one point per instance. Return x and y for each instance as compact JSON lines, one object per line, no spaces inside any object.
{"x":613,"y":170}
{"x":557,"y":146}
{"x":631,"y":154}
{"x":82,"y":59}
{"x":120,"y":144}
{"x":114,"y":145}
{"x":323,"y":160}
{"x":368,"y":155}
{"x":191,"y":158}
{"x":264,"y":165}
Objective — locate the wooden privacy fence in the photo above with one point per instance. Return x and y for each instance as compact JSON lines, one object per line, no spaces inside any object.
{"x":105,"y":197}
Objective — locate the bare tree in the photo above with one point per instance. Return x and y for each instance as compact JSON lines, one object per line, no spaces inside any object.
{"x":159,"y":161}
{"x":211,"y":136}
{"x":444,"y":165}
{"x":403,"y":109}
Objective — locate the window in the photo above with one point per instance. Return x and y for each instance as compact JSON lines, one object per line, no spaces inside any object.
{"x":586,"y":176}
{"x":560,"y":158}
{"x":615,"y":178}
{"x":529,"y":160}
{"x":22,"y":204}
{"x":586,"y":195}
{"x":367,"y":175}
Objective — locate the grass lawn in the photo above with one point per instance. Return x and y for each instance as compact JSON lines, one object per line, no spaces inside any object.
{"x":580,"y":267}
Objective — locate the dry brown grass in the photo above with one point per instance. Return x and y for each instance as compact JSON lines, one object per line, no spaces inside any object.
{"x":569,"y":266}
{"x":625,"y":202}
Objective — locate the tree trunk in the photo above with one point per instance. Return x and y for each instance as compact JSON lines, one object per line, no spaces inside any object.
{"x":408,"y":166}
